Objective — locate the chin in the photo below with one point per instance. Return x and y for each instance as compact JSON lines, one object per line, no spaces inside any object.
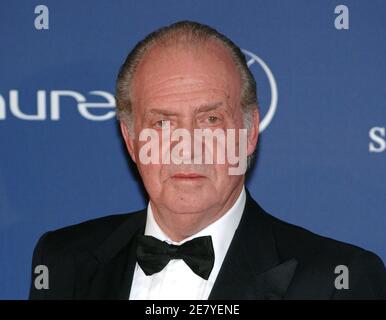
{"x":188,"y":204}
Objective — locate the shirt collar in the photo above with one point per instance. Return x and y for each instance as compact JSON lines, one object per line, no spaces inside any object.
{"x":221,"y":231}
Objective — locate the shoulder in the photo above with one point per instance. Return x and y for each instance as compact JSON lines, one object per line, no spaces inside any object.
{"x":322,"y":259}
{"x":292,"y":240}
{"x":86,"y":235}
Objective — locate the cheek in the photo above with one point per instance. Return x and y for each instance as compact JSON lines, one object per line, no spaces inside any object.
{"x":152,"y":179}
{"x":223,"y":180}
{"x":221,"y":171}
{"x":150,"y":173}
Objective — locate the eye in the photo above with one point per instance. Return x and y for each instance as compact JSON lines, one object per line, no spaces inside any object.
{"x":162,"y":124}
{"x":213,"y":119}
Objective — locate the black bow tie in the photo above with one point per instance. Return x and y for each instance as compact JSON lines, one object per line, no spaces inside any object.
{"x":153,"y":255}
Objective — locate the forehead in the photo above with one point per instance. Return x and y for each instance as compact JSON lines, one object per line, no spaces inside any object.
{"x":181,"y":72}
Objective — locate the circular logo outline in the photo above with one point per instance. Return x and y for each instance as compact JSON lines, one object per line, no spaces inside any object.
{"x":264,"y":123}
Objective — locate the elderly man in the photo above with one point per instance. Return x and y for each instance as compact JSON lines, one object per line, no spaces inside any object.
{"x":202,"y":235}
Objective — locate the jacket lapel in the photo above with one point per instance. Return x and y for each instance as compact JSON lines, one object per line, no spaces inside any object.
{"x":252,"y":268}
{"x":115,"y":262}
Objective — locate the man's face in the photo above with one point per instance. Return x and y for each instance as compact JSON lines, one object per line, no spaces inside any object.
{"x":192,"y":89}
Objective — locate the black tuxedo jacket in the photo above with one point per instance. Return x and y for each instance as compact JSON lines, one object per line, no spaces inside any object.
{"x":267,"y":259}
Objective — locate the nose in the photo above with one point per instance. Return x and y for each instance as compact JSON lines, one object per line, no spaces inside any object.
{"x":183,"y":150}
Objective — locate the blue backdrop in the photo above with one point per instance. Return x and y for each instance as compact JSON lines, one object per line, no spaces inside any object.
{"x":322,"y":158}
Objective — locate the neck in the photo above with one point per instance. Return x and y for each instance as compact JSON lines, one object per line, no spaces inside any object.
{"x":179,"y":226}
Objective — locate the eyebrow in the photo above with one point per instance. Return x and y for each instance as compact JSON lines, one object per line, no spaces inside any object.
{"x":209,"y":107}
{"x":162,"y":112}
{"x":201,"y":108}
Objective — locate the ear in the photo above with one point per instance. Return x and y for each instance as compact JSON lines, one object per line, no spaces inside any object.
{"x":128,"y":140}
{"x":253,"y":134}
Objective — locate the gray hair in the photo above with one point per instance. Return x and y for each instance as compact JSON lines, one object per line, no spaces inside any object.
{"x":186,"y":33}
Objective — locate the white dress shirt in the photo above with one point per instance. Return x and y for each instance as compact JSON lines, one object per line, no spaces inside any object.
{"x":177,"y":281}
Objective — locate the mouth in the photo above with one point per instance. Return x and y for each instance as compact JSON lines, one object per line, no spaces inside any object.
{"x":187,"y":176}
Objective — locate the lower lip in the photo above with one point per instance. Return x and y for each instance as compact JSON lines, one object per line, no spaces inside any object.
{"x":188,"y":177}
